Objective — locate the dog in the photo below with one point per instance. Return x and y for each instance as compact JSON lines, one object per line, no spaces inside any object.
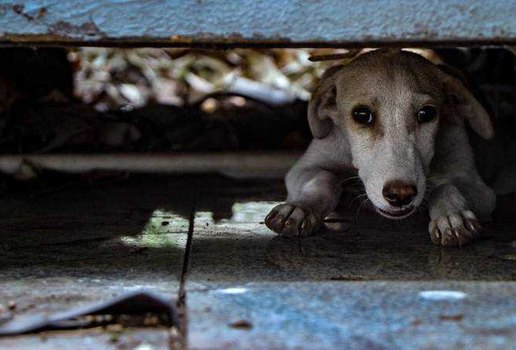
{"x":399,"y":121}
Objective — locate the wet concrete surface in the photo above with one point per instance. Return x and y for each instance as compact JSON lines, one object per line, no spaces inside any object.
{"x":75,"y":244}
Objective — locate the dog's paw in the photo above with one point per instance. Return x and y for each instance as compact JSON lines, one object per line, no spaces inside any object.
{"x":291,"y":220}
{"x":456,"y":229}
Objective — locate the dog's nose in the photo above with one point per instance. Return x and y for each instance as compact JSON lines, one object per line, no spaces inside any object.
{"x":398,"y":193}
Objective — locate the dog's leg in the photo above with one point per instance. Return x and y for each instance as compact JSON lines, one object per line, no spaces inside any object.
{"x":453,"y":219}
{"x":312,"y":194}
{"x":459,"y":198}
{"x":314,"y":189}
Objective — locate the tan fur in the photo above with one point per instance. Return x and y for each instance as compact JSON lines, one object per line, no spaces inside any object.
{"x":433,"y":156}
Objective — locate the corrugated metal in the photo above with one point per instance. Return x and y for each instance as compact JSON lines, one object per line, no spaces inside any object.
{"x":257,"y":22}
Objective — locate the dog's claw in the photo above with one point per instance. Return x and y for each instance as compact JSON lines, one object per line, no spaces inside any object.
{"x":469,"y":225}
{"x":473,"y":226}
{"x":448,"y":238}
{"x":290,"y":220}
{"x":456,"y":229}
{"x":434,"y":233}
{"x":304,"y":229}
{"x":270,"y":216}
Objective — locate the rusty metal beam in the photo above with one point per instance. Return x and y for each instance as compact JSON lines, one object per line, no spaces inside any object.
{"x":278,"y":23}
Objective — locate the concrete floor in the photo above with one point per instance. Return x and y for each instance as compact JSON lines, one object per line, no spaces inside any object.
{"x":365,"y":283}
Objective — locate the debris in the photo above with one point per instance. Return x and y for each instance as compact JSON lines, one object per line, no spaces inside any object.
{"x":11,"y":305}
{"x":348,"y":54}
{"x":131,"y":310}
{"x":509,"y":257}
{"x":114,"y":338}
{"x":241,"y":324}
{"x":110,"y":78}
{"x":454,"y":318}
{"x":25,"y":172}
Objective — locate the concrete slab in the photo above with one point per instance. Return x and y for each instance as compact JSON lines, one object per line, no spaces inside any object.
{"x":65,"y":248}
{"x":73,"y":245}
{"x":393,"y":252}
{"x":354,"y":315}
{"x":355,"y":286}
{"x":230,"y":240}
{"x":362,"y":246}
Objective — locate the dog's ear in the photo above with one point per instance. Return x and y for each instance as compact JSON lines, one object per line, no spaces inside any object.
{"x":461,"y":103}
{"x":322,"y":106}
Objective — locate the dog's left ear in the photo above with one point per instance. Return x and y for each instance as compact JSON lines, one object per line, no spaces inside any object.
{"x":322,"y":106}
{"x":462,"y":103}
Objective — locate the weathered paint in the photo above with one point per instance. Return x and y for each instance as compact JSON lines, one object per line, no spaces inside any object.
{"x":257,"y":22}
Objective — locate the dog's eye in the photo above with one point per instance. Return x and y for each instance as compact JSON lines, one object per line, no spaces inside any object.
{"x":363,"y":115}
{"x":426,"y":114}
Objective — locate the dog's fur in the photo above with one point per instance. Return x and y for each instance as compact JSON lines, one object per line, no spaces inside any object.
{"x":434,"y":157}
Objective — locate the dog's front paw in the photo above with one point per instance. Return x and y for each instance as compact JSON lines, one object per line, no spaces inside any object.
{"x":291,"y":220}
{"x":456,"y":229}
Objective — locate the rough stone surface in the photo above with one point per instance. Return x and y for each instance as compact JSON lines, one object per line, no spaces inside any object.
{"x":353,"y":315}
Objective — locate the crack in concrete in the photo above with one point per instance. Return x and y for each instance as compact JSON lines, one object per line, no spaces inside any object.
{"x":181,"y":304}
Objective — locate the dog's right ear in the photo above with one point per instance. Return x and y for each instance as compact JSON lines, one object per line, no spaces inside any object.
{"x":323,"y":105}
{"x":464,"y":104}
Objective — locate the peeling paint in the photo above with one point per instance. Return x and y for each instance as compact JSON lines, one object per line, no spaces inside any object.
{"x":66,"y":29}
{"x":258,"y":22}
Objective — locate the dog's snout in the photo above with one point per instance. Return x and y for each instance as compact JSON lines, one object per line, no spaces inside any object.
{"x":398,"y":193}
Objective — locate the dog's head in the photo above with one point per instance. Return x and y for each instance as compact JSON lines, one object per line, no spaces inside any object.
{"x":388,"y":105}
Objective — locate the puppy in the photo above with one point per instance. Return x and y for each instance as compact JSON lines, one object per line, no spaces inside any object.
{"x":399,"y":120}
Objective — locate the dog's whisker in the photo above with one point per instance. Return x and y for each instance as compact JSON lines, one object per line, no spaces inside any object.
{"x":365,"y":201}
{"x":349,"y":179}
{"x":357,"y":198}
